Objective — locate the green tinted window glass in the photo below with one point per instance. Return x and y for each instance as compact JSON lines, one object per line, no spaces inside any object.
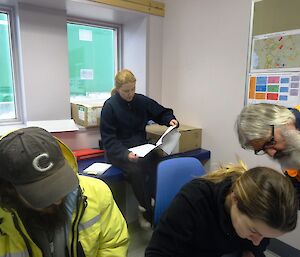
{"x":91,"y":59}
{"x":7,"y":99}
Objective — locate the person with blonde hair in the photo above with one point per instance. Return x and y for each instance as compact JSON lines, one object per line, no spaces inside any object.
{"x":124,"y":117}
{"x":273,"y":130}
{"x":231,"y":210}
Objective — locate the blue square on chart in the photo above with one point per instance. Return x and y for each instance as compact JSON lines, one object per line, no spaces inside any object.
{"x":284,"y":80}
{"x":283,"y":98}
{"x":284,"y":89}
{"x":261,"y":80}
{"x":261,"y":88}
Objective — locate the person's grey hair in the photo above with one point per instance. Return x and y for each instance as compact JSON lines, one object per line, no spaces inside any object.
{"x":255,"y":120}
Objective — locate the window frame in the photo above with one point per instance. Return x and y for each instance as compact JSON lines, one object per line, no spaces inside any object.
{"x":105,"y":25}
{"x":15,"y":63}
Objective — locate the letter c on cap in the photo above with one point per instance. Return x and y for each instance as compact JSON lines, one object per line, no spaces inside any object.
{"x":36,"y":164}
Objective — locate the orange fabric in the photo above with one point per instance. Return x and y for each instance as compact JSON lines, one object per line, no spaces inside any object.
{"x":294,"y":174}
{"x":87,"y":153}
{"x":291,"y":172}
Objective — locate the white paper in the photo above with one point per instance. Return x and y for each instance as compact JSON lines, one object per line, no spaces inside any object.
{"x":86,"y":74}
{"x":168,"y":130}
{"x":170,"y":141}
{"x":81,"y":113}
{"x":142,"y":150}
{"x":85,"y":35}
{"x":97,"y":168}
{"x":54,"y":125}
{"x":167,"y":142}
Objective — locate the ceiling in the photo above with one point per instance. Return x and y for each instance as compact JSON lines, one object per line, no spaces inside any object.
{"x":56,"y":4}
{"x":83,"y":9}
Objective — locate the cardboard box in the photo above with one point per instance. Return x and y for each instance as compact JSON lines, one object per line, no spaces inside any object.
{"x":86,"y":114}
{"x":190,"y":138}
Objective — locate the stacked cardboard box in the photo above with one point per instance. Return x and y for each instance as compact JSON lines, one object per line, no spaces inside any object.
{"x":86,"y":114}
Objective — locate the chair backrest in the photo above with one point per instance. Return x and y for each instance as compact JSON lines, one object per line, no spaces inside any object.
{"x":172,"y":174}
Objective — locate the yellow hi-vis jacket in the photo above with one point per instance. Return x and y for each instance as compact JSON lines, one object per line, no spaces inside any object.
{"x":98,"y":228}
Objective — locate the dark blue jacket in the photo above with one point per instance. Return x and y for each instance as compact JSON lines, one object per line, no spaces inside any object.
{"x":297,"y":116}
{"x":122,"y":123}
{"x":197,"y":224}
{"x":295,"y":182}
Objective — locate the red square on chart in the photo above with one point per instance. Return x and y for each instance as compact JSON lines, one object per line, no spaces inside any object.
{"x":272,"y":96}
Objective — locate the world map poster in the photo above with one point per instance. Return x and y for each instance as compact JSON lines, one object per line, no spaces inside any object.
{"x":276,"y":52}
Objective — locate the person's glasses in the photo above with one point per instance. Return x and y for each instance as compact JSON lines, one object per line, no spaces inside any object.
{"x":267,"y":144}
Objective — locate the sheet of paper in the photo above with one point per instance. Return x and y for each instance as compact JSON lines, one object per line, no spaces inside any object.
{"x":97,"y":168}
{"x":167,"y":142}
{"x":54,"y":125}
{"x":142,"y":150}
{"x":86,"y":74}
{"x":168,"y":130}
{"x":170,"y":141}
{"x":85,"y":35}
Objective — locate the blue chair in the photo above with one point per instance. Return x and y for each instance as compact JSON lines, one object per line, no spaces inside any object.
{"x":172,"y":174}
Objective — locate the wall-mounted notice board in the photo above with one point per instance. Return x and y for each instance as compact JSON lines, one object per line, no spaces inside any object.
{"x":274,"y":72}
{"x":275,"y":88}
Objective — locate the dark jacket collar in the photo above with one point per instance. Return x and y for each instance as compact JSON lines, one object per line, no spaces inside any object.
{"x":122,"y":101}
{"x":297,"y":116}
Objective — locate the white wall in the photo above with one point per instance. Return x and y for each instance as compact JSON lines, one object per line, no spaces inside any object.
{"x":45,"y":67}
{"x":155,"y":41}
{"x":134,"y":50}
{"x":204,"y":69}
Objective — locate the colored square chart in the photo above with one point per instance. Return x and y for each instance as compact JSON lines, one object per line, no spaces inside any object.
{"x":270,"y":87}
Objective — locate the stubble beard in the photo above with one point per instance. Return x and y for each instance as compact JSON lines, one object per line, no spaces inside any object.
{"x":289,"y":158}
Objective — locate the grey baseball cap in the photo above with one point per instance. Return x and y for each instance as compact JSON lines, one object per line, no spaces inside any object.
{"x":32,"y":161}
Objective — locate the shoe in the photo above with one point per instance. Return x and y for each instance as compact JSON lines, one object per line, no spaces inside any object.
{"x":145,"y":224}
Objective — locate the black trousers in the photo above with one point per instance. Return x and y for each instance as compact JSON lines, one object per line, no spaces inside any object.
{"x":142,"y":177}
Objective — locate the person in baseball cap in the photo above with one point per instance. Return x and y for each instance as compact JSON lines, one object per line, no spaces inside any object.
{"x":32,"y":161}
{"x":47,"y":209}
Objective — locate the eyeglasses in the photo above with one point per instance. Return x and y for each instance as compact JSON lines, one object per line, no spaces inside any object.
{"x":267,"y":144}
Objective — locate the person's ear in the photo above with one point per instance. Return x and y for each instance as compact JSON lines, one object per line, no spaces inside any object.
{"x":234,"y":199}
{"x":291,"y":125}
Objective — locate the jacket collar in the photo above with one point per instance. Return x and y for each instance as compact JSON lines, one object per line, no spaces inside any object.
{"x":122,"y":101}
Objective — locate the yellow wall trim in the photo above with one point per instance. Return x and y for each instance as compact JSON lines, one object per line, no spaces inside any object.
{"x":145,"y":6}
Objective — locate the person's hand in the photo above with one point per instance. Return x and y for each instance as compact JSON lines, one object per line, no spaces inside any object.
{"x":247,"y":254}
{"x":132,"y":157}
{"x":173,"y":123}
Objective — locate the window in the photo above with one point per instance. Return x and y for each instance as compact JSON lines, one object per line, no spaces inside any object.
{"x":93,"y":59}
{"x":8,"y":108}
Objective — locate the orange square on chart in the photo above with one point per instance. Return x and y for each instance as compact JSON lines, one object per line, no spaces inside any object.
{"x":252,"y":88}
{"x":260,"y":96}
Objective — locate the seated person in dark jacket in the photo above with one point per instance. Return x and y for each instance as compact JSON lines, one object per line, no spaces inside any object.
{"x":229,"y":210}
{"x":124,"y":117}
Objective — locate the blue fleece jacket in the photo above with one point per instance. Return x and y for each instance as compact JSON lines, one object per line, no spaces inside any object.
{"x":122,"y":123}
